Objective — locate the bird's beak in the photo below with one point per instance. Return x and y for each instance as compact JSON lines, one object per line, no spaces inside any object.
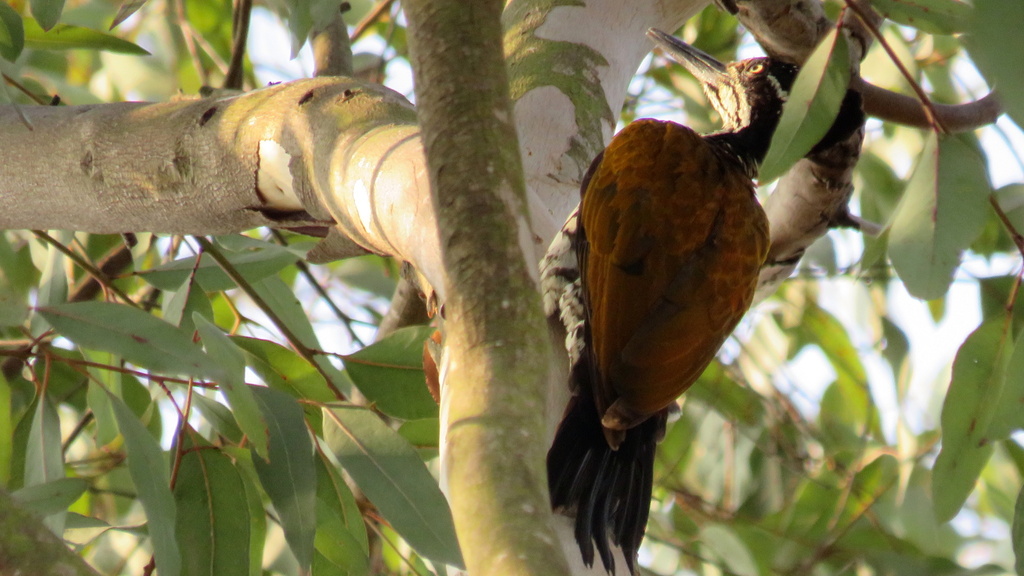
{"x":700,"y":64}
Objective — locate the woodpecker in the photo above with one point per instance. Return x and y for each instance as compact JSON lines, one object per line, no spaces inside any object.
{"x":649,"y":276}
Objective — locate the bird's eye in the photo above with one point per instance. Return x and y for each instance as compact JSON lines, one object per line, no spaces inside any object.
{"x":757,"y":68}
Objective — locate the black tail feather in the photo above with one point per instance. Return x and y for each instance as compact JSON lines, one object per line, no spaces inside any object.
{"x":608,"y":490}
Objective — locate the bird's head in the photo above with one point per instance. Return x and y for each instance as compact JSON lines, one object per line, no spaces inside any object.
{"x":746,"y":93}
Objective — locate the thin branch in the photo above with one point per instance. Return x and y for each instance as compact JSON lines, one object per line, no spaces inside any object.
{"x":235,"y":75}
{"x":371,"y":18}
{"x":286,"y":331}
{"x":929,"y":111}
{"x":890,"y":106}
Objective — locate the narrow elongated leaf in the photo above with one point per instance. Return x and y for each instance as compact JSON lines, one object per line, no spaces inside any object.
{"x":340,"y":532}
{"x":254,"y":506}
{"x":148,"y":469}
{"x":283,"y":369}
{"x":997,"y":47}
{"x":1018,"y":532}
{"x":932,"y":16}
{"x":289,"y":476}
{"x":390,"y":374}
{"x":127,"y":9}
{"x":137,"y":336}
{"x":12,"y":33}
{"x":47,"y":12}
{"x":243,"y":403}
{"x":812,"y":106}
{"x":255,"y":263}
{"x":67,"y":37}
{"x":729,"y":549}
{"x":280,"y":297}
{"x":1008,"y":416}
{"x":52,"y":497}
{"x":979,"y":372}
{"x":44,"y":459}
{"x":942,"y":211}
{"x":210,"y":496}
{"x":392,"y":475}
{"x":6,"y":431}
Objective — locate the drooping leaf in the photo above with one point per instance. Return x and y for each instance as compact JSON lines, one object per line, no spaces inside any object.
{"x":283,"y":369}
{"x":340,"y":534}
{"x":289,"y":475}
{"x":46,"y":12}
{"x":12,"y":33}
{"x":730,"y":549}
{"x":210,"y":497}
{"x":1017,"y":532}
{"x":139,"y":337}
{"x":68,"y":37}
{"x":1008,"y":416}
{"x":979,"y":372}
{"x":421,"y":433}
{"x":148,"y":468}
{"x":51,"y":497}
{"x":240,"y":397}
{"x":932,"y":16}
{"x":941,"y":213}
{"x":996,"y":45}
{"x":255,"y":262}
{"x":392,"y":475}
{"x":6,"y":431}
{"x":812,"y":106}
{"x":390,"y":374}
{"x":127,"y":8}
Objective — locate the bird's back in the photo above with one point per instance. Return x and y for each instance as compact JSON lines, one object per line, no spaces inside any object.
{"x":671,"y":241}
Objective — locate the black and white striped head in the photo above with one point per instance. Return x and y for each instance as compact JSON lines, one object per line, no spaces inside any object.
{"x":747,"y":94}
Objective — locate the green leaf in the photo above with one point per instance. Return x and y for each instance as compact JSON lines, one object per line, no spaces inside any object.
{"x":811,"y":108}
{"x":127,"y":8}
{"x":421,"y":433}
{"x":289,"y":476}
{"x":392,"y":475}
{"x":716,"y":389}
{"x":6,"y":431}
{"x":283,"y":369}
{"x":1018,"y":532}
{"x":239,"y":395}
{"x":46,"y":12}
{"x":254,"y":502}
{"x":219,"y":416}
{"x":1008,"y":415}
{"x":390,"y":374}
{"x":257,"y":261}
{"x":979,"y":372}
{"x":67,"y":37}
{"x":942,"y":211}
{"x":140,"y":337}
{"x":997,"y":47}
{"x":729,"y":549}
{"x":931,"y":16}
{"x":44,"y":459}
{"x":148,"y":469}
{"x":340,"y":532}
{"x":52,"y":497}
{"x":12,"y":33}
{"x":209,"y":495}
{"x":300,"y":21}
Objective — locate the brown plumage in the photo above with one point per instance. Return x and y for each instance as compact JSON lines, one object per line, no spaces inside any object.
{"x":649,"y":277}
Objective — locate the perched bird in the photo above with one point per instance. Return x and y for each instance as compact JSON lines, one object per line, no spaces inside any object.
{"x":649,"y":276}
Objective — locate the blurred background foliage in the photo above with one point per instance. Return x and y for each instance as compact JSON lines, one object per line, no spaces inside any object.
{"x":221,"y":407}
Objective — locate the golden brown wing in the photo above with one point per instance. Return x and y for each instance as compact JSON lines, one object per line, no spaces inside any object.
{"x":674,"y":239}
